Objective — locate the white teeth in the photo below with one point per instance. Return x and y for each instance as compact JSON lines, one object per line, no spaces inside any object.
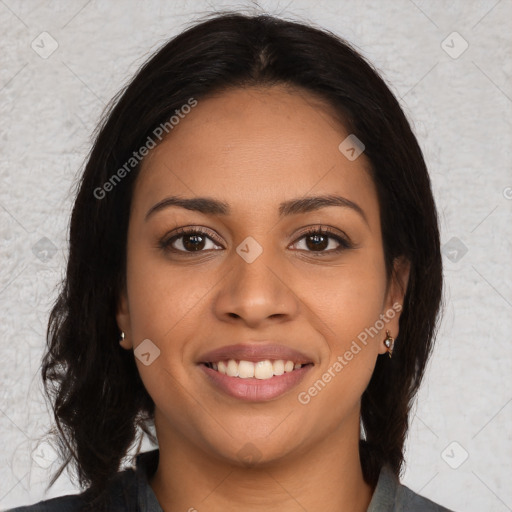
{"x":221,"y":367}
{"x":232,"y":369}
{"x":246,"y":369}
{"x":278,"y":367}
{"x":262,"y":370}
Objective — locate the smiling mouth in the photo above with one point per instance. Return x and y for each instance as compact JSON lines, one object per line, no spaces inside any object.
{"x":263,"y":370}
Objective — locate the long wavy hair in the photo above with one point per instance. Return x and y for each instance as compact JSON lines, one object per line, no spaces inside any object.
{"x":100,"y":405}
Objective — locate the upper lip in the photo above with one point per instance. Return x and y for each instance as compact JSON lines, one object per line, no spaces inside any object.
{"x":254,"y":352}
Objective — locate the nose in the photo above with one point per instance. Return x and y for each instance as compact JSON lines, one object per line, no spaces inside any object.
{"x":256,"y":292}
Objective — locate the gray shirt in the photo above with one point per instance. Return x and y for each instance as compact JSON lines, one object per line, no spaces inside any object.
{"x":130,"y":491}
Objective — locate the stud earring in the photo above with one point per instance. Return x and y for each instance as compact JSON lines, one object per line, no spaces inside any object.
{"x":390,"y":343}
{"x":122,"y":337}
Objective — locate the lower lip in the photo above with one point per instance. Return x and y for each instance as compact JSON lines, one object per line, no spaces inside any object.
{"x":256,"y":390}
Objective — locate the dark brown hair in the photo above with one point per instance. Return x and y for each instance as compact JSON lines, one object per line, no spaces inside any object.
{"x":97,"y":396}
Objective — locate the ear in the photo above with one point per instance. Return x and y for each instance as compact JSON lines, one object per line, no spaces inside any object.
{"x":394,"y":301}
{"x":123,"y":320}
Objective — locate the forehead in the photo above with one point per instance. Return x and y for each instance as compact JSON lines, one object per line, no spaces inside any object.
{"x":254,"y":147}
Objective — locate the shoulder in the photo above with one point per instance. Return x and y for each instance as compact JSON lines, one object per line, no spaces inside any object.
{"x":69,"y":502}
{"x":392,"y":496}
{"x":119,"y":496}
{"x":406,"y":500}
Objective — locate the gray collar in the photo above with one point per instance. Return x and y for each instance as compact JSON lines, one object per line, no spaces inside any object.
{"x":146,"y":464}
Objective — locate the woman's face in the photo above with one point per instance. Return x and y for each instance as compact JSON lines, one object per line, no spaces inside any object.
{"x":254,"y":285}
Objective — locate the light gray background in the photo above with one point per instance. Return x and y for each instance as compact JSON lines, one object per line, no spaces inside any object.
{"x":461,"y":112}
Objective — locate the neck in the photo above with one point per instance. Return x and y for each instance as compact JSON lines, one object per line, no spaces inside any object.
{"x":328,"y":477}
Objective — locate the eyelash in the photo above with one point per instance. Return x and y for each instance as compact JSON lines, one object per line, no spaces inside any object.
{"x":165,"y":243}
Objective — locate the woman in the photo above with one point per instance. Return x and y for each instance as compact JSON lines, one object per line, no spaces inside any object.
{"x":255,"y":267}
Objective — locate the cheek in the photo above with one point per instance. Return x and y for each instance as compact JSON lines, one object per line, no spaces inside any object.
{"x":350,"y":297}
{"x":162,"y":302}
{"x":161,"y":296}
{"x":350,"y":303}
{"x":347,"y":306}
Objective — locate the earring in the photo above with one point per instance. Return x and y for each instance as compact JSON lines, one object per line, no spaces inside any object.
{"x":390,"y":343}
{"x":122,"y":337}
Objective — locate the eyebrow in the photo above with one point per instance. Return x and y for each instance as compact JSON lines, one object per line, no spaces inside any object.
{"x":210,"y":206}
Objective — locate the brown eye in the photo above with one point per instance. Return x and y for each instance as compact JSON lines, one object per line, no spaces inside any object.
{"x":319,"y":239}
{"x":188,"y":240}
{"x":193,"y":242}
{"x":317,"y":242}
